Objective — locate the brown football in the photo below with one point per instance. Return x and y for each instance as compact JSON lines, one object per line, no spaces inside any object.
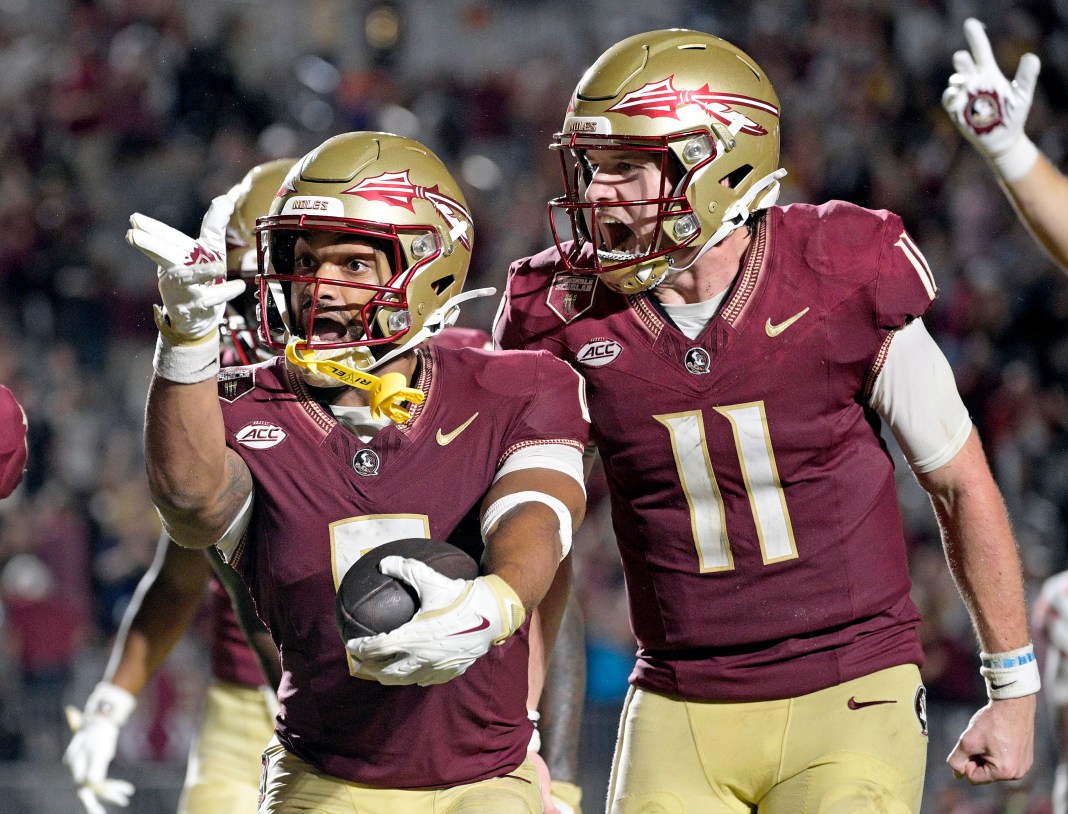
{"x":369,"y":602}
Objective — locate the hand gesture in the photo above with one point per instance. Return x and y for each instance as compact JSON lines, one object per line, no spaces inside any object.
{"x":998,"y":743}
{"x":91,"y":750}
{"x":192,"y":272}
{"x":987,"y":108}
{"x":457,"y":622}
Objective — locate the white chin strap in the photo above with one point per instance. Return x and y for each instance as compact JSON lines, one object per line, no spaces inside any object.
{"x":761,"y":195}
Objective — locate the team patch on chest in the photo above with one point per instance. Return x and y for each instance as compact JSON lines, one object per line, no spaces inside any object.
{"x":235,"y":382}
{"x":570,"y":295}
{"x":366,"y":462}
{"x":697,"y":361}
{"x":260,"y":435}
{"x":598,"y":352}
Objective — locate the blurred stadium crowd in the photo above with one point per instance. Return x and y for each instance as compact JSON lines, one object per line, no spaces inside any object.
{"x":114,"y":106}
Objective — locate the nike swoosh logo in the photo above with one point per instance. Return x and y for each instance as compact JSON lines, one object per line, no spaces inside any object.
{"x":446,"y":438}
{"x":853,"y":703}
{"x":994,"y":686}
{"x":482,"y":625}
{"x":775,"y":330}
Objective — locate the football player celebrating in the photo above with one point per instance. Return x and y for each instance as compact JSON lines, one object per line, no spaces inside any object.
{"x":360,"y":434}
{"x":990,"y":111}
{"x":238,"y":715}
{"x":738,"y":357}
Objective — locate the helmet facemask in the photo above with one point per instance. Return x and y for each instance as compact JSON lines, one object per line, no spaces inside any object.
{"x":373,"y":329}
{"x":709,"y":115}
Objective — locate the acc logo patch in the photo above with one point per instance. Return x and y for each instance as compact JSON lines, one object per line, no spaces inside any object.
{"x":260,"y":435}
{"x":598,"y":352}
{"x":570,"y":295}
{"x":698,"y":361}
{"x":366,"y":462}
{"x":235,"y":382}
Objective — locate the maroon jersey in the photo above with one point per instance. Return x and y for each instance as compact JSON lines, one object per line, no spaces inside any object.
{"x":12,"y":442}
{"x":323,"y":497}
{"x":752,"y":499}
{"x":232,"y":659}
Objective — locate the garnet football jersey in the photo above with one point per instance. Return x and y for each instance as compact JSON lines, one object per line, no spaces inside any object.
{"x":232,"y":659}
{"x":753,"y":501}
{"x":323,"y":498}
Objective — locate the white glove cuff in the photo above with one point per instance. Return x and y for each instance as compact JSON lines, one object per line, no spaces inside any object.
{"x":502,"y":506}
{"x":1017,"y":161}
{"x":1012,"y":674}
{"x":187,"y":364}
{"x":110,"y":702}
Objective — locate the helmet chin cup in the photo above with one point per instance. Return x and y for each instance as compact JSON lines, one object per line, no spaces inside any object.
{"x":641,"y":276}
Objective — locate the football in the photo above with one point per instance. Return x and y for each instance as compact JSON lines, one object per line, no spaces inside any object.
{"x":369,"y":602}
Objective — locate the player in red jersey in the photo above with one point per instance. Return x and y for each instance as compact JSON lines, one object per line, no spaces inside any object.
{"x":990,"y":111}
{"x":360,"y":434}
{"x":13,"y":449}
{"x":739,"y":359}
{"x":238,"y":715}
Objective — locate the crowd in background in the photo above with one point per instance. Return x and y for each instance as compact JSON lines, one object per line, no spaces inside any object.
{"x":113,"y":106}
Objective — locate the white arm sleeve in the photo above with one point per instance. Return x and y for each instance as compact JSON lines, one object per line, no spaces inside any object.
{"x":560,"y":457}
{"x":233,"y":535}
{"x":917,"y":396}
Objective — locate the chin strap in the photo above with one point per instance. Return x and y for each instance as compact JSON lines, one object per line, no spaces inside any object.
{"x":739,"y":211}
{"x":386,"y":390}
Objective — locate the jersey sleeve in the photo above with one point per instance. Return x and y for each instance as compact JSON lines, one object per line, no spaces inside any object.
{"x":13,"y":449}
{"x":556,"y":412}
{"x":906,"y":287}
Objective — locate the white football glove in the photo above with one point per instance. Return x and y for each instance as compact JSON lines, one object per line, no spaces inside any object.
{"x":91,"y":750}
{"x":457,"y":622}
{"x":987,"y":108}
{"x":192,"y":282}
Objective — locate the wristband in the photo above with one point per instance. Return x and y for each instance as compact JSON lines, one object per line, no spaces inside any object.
{"x":1012,"y":674}
{"x":535,"y":736}
{"x":1017,"y":161}
{"x":185,"y":361}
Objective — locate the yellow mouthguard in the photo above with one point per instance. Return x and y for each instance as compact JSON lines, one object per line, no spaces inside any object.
{"x":386,"y":390}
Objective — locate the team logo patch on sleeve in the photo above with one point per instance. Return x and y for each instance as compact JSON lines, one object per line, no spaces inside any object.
{"x":235,"y":382}
{"x":570,"y":295}
{"x":260,"y":435}
{"x":598,"y":352}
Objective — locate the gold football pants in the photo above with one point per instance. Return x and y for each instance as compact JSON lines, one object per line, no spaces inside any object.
{"x":857,"y":748}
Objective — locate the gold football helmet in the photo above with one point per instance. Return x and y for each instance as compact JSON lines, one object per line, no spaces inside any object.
{"x":396,"y":194}
{"x":706,"y":112}
{"x":252,"y":197}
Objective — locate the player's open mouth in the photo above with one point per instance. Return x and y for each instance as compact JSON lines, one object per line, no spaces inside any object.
{"x":617,"y":242}
{"x":326,"y":329}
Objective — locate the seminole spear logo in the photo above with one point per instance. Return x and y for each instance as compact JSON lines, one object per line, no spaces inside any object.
{"x":658,"y":100}
{"x":396,"y":189}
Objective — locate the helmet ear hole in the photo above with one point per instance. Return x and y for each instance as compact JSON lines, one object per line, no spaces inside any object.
{"x":441,"y":284}
{"x":735,"y":178}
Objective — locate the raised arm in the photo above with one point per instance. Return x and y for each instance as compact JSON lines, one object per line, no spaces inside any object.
{"x":990,"y":111}
{"x":198,"y":485}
